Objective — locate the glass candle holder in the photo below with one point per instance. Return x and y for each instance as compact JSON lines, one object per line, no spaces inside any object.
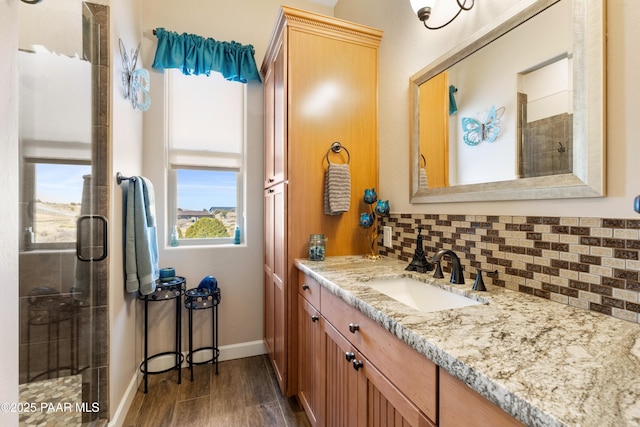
{"x":317,"y":247}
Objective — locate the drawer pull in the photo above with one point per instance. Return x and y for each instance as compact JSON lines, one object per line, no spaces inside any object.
{"x":315,"y":318}
{"x":357,"y":364}
{"x":305,"y":287}
{"x":349,"y":356}
{"x":353,"y":327}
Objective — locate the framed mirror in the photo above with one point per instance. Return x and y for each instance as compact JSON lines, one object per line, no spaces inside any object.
{"x":517,"y":113}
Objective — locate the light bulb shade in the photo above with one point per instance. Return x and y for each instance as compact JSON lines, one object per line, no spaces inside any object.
{"x":416,"y":5}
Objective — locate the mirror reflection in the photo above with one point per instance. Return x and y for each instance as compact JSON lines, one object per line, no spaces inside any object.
{"x":503,"y":110}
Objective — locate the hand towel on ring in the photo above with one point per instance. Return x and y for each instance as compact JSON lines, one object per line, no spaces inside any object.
{"x":337,"y":189}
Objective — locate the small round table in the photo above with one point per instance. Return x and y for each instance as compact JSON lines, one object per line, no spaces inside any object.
{"x":203,"y":299}
{"x":165,"y":291}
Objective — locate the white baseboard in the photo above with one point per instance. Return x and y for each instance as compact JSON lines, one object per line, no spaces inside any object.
{"x":244,"y":349}
{"x":227,"y":352}
{"x":126,"y":401}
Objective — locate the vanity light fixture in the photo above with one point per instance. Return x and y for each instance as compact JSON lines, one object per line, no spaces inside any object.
{"x":422,"y":8}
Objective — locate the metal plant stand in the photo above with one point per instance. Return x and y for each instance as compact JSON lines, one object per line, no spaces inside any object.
{"x":165,"y":291}
{"x":203,"y":299}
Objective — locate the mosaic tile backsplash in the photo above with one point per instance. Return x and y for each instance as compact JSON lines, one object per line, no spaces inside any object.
{"x":592,"y":263}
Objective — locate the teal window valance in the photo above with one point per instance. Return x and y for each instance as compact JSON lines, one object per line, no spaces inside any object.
{"x":196,"y":55}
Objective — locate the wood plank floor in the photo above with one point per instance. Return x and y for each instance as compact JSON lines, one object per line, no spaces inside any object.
{"x":243,"y":394}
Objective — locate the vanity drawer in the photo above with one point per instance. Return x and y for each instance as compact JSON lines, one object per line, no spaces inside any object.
{"x":309,"y":288}
{"x":409,"y":371}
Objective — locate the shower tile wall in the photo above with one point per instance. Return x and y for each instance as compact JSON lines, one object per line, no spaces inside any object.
{"x":591,"y":263}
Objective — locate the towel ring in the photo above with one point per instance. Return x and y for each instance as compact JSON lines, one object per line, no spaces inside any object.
{"x":424,"y":160}
{"x":336,"y":147}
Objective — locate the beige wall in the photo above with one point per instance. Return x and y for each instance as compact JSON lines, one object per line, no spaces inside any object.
{"x":9,"y":192}
{"x":407,"y":47}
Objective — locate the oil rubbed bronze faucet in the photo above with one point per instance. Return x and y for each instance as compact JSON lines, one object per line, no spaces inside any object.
{"x":457,"y":275}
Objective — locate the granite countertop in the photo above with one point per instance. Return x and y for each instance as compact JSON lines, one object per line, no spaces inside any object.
{"x":545,"y":363}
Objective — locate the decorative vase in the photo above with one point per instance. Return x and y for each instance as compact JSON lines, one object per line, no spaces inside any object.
{"x":368,"y":221}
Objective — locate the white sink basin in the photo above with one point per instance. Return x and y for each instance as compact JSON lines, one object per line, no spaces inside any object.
{"x":419,"y":295}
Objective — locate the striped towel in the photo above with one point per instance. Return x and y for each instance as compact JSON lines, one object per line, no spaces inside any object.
{"x":424,"y":183}
{"x":337,"y":189}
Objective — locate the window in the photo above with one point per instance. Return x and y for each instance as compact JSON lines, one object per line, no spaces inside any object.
{"x":205,"y":157}
{"x":53,"y":195}
{"x":206,"y":205}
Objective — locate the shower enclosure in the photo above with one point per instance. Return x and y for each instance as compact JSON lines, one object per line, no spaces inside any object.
{"x":64,"y":188}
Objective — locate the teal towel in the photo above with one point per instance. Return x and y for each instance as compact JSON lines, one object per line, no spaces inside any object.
{"x":141,"y":242}
{"x":453,"y":107}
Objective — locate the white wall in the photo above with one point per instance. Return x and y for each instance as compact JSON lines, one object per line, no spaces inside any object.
{"x":126,"y":157}
{"x":9,"y":192}
{"x":408,"y":47}
{"x":238,"y":269}
{"x":484,"y":80}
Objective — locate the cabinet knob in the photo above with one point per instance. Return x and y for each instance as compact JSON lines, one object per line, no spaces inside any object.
{"x":305,"y":287}
{"x":357,"y":364}
{"x":271,"y":179}
{"x":349,"y":356}
{"x":353,"y":327}
{"x":315,"y":318}
{"x":271,"y":190}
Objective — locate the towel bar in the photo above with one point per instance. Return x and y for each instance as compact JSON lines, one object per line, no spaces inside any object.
{"x":120,"y":178}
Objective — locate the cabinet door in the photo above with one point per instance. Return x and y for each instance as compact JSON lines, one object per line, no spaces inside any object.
{"x":269,"y":122}
{"x":381,"y":404}
{"x":462,"y":406}
{"x":310,"y":368}
{"x":341,"y":379}
{"x":275,"y":279}
{"x":274,"y":116}
{"x":269,"y":303}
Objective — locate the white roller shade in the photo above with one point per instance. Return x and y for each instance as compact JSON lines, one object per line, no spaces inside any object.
{"x":206,"y":121}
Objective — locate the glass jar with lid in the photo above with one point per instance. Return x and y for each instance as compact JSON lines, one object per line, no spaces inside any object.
{"x":317,"y":247}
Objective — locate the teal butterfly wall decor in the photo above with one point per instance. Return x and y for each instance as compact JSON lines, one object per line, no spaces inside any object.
{"x":135,"y":83}
{"x":476,"y":131}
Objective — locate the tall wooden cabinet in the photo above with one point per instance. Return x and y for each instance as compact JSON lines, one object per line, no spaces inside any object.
{"x":320,"y":81}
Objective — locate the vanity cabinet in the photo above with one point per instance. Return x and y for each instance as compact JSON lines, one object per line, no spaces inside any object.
{"x":320,"y":80}
{"x":393,"y":374}
{"x":311,"y":369}
{"x":353,"y":372}
{"x":461,"y":406}
{"x":358,"y":394}
{"x":339,"y":384}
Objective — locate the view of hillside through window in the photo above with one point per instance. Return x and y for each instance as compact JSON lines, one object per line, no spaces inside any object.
{"x":57,"y":201}
{"x":206,"y":204}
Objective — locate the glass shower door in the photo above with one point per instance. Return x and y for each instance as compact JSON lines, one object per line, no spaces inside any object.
{"x":62,"y":255}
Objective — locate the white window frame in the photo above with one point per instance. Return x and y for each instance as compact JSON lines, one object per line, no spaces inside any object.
{"x":173,"y":208}
{"x":172,"y":177}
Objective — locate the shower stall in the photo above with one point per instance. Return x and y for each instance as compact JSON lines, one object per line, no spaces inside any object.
{"x":63,"y":207}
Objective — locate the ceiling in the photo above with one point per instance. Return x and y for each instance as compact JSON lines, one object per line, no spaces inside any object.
{"x":330,"y":3}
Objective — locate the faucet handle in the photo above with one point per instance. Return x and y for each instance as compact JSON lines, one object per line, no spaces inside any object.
{"x":478,"y":285}
{"x":438,"y":273}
